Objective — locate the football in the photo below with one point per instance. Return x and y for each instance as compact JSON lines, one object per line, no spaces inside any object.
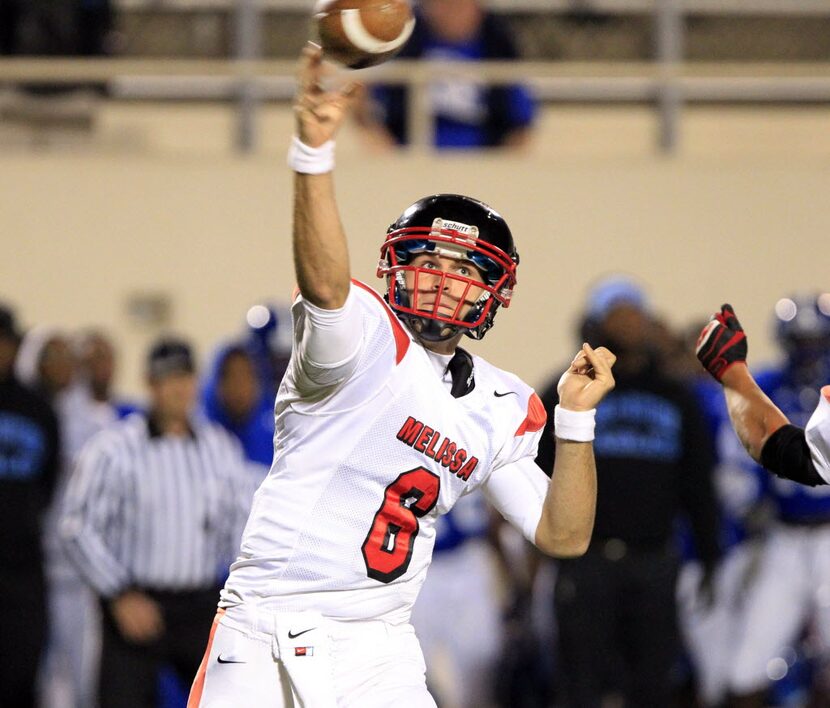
{"x":361,"y":33}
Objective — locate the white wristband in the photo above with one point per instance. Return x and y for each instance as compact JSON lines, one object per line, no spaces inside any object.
{"x":574,"y":425}
{"x":308,"y":160}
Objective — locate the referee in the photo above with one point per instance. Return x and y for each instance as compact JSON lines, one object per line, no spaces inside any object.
{"x":153,"y":513}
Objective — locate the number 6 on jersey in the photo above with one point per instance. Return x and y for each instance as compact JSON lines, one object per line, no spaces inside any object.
{"x":387,"y":549}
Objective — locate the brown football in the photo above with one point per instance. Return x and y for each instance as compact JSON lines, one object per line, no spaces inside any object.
{"x":361,"y":33}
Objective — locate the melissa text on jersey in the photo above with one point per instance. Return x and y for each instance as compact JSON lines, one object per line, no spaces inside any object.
{"x":424,"y":439}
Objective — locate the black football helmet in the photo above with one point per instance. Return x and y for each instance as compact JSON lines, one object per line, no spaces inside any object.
{"x":457,"y":227}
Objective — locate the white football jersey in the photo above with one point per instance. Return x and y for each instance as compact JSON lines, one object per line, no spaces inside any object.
{"x":344,"y":524}
{"x":818,"y":435}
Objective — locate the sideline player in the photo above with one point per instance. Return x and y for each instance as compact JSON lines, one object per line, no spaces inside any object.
{"x":790,"y":452}
{"x":791,"y":561}
{"x":382,"y":423}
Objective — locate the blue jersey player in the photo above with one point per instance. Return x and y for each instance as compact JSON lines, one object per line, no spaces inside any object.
{"x":783,"y":420}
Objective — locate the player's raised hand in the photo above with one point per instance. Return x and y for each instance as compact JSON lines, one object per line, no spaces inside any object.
{"x":721,"y":343}
{"x":319,"y":112}
{"x":587,"y":379}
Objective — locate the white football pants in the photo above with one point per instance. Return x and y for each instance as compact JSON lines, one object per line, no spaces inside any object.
{"x":303,"y":660}
{"x":792,"y":588}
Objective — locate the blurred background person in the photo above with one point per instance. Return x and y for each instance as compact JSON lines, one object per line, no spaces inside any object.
{"x":710,"y":623}
{"x":522,"y":676}
{"x":793,"y":558}
{"x":464,"y":113}
{"x":615,"y":607}
{"x":29,"y":462}
{"x":96,"y":361}
{"x":233,"y":397}
{"x":85,"y":408}
{"x":89,"y":404}
{"x":268,"y":339}
{"x":47,"y":362}
{"x":460,"y":630}
{"x":153,"y":514}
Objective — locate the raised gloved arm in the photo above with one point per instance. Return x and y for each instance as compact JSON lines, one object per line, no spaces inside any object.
{"x":722,"y":348}
{"x":722,"y":343}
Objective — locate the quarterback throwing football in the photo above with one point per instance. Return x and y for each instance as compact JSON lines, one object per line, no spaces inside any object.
{"x":382,"y":423}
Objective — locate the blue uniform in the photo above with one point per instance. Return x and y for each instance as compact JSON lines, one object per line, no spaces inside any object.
{"x":795,"y":503}
{"x":740,"y":483}
{"x":466,"y":114}
{"x":792,"y":560}
{"x":256,"y":432}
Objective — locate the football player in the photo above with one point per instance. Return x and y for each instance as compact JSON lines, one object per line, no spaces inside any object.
{"x":792,"y":555}
{"x":790,"y":452}
{"x":382,"y":424}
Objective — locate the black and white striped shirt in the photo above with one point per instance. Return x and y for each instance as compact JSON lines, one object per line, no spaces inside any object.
{"x":156,"y":511}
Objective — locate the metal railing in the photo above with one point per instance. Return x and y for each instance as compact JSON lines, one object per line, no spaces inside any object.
{"x":668,"y":83}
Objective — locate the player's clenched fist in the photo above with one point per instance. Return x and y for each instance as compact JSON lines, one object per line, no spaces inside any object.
{"x":587,"y":379}
{"x":722,"y":343}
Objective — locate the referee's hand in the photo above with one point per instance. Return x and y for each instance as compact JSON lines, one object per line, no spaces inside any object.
{"x":138,"y":617}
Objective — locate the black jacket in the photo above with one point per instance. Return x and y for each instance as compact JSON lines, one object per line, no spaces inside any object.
{"x":29,"y":460}
{"x":654,"y":458}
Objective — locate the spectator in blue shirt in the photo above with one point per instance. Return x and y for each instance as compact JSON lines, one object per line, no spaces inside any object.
{"x":466,"y":114}
{"x":233,"y":397}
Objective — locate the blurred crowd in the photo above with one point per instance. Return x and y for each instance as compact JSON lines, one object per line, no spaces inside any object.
{"x":64,"y":527}
{"x":694,"y":590}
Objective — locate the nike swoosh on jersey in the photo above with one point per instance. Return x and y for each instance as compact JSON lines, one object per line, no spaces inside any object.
{"x":294,"y":636}
{"x":506,"y":393}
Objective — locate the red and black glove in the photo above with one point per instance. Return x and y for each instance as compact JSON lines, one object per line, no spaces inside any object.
{"x":722,"y":343}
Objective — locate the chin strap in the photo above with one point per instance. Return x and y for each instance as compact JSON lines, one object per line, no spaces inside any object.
{"x":461,"y":370}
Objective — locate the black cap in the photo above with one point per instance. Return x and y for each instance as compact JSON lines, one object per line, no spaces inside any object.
{"x":169,"y":356}
{"x":8,"y":324}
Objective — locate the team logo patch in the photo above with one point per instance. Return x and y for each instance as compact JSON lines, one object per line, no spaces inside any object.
{"x":303,"y":651}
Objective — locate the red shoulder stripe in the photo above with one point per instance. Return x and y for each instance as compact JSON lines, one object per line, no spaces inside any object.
{"x":536,"y":416}
{"x":401,"y":337}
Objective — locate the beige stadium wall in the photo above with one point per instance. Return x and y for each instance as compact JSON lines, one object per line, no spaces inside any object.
{"x":156,"y":202}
